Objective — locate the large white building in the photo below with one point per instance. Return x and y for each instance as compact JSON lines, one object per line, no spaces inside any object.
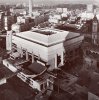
{"x":46,"y":45}
{"x":45,"y":49}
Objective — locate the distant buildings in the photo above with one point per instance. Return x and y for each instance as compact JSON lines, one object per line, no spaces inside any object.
{"x":19,"y":12}
{"x":92,"y":53}
{"x":8,"y":21}
{"x":55,"y":18}
{"x":90,"y":8}
{"x":62,"y":10}
{"x":58,"y":15}
{"x":41,"y":19}
{"x":23,"y":24}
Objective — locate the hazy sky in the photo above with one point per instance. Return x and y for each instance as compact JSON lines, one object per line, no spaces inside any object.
{"x":52,"y":1}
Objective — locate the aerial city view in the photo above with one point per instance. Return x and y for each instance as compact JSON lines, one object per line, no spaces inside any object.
{"x":49,"y":50}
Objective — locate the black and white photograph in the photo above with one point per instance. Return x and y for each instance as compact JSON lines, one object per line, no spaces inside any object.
{"x":49,"y":49}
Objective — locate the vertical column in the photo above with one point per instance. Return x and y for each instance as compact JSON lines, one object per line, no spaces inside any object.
{"x":47,"y":82}
{"x":30,"y":8}
{"x":62,"y":58}
{"x":27,"y":58}
{"x":21,"y":52}
{"x":32,"y":57}
{"x":55,"y":61}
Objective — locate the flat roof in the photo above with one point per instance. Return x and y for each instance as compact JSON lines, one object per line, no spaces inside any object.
{"x":35,"y":68}
{"x":47,"y":36}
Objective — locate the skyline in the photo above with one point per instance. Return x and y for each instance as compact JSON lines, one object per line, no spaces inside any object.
{"x":52,"y":1}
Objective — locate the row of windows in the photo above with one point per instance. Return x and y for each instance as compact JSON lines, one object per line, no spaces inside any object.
{"x":94,"y":54}
{"x":30,"y":82}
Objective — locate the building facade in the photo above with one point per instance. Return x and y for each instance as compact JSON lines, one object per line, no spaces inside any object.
{"x":47,"y":46}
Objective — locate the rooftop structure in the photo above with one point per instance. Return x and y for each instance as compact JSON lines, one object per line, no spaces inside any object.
{"x":46,"y":36}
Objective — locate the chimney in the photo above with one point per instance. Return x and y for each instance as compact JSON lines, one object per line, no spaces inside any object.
{"x":30,"y":8}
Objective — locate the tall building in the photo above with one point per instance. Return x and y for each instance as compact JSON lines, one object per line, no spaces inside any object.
{"x":95,"y":34}
{"x":30,"y":8}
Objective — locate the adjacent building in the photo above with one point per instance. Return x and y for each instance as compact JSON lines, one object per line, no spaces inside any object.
{"x":95,"y":34}
{"x":8,"y":21}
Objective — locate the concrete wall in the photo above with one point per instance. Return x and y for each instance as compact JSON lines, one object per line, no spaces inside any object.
{"x":47,"y":54}
{"x":37,"y":49}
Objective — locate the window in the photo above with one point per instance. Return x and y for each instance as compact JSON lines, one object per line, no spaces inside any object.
{"x":7,"y":65}
{"x":58,"y":59}
{"x":27,"y":80}
{"x":41,"y":86}
{"x":45,"y":85}
{"x":50,"y":85}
